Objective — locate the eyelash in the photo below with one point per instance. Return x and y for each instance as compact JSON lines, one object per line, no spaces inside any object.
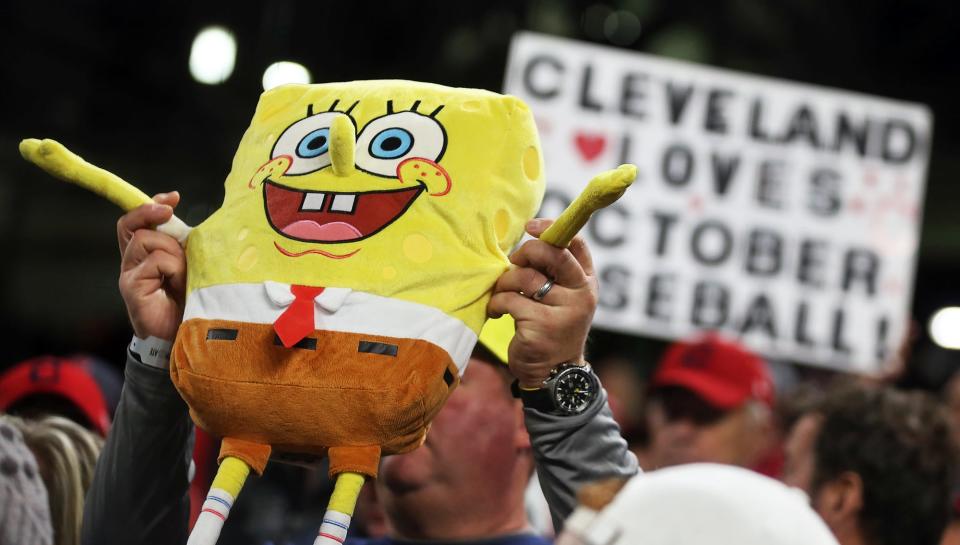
{"x":413,"y":108}
{"x":333,"y":108}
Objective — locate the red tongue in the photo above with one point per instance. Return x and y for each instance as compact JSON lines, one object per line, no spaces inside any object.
{"x":311,"y":230}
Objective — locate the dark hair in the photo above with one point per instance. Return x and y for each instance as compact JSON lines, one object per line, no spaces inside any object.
{"x":484,"y":354}
{"x":899,"y":444}
{"x":681,"y":404}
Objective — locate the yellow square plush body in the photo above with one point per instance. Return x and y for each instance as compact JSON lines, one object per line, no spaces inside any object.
{"x":335,"y":297}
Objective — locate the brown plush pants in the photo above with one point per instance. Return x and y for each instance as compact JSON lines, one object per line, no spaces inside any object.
{"x":344,"y":395}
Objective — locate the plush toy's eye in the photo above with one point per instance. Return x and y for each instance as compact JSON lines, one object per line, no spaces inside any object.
{"x":314,"y":144}
{"x":387,"y":141}
{"x":307,"y":143}
{"x":391,"y":143}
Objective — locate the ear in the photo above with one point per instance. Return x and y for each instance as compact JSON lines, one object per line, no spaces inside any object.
{"x":521,"y":439}
{"x":840,"y":501}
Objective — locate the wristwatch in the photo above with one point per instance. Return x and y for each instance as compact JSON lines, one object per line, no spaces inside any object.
{"x":569,"y":390}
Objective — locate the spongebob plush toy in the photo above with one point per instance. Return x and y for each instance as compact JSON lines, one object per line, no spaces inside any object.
{"x":334,"y":299}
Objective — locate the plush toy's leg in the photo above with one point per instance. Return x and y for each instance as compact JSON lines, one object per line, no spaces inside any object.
{"x":350,"y":466}
{"x":237,"y":458}
{"x":336,"y":521}
{"x":225,"y":489}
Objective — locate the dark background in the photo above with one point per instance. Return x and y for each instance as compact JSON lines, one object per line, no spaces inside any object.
{"x":110,"y":80}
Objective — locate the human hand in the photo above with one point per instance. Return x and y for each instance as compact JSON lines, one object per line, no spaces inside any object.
{"x":153,"y":269}
{"x":553,"y":330}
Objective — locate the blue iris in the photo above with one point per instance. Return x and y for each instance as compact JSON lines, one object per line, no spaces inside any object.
{"x":391,"y":143}
{"x":314,"y":144}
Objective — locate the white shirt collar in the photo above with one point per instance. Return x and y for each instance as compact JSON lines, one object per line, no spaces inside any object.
{"x":330,"y":300}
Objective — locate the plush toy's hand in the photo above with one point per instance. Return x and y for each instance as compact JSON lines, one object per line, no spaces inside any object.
{"x":153,"y":269}
{"x":603,"y":190}
{"x":554,"y":329}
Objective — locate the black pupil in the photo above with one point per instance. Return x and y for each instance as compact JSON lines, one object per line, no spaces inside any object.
{"x":391,"y":143}
{"x":317,"y":142}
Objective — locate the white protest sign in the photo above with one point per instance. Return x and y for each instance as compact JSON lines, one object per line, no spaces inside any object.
{"x":781,"y":213}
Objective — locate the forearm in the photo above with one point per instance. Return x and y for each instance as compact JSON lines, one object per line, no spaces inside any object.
{"x":571,"y":451}
{"x":139,"y":492}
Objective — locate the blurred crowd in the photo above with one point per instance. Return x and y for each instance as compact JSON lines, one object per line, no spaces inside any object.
{"x":873,"y":460}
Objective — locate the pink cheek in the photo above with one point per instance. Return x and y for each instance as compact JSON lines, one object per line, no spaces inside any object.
{"x":278,"y":166}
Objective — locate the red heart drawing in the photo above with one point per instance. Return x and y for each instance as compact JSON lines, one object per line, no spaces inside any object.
{"x":590,"y":145}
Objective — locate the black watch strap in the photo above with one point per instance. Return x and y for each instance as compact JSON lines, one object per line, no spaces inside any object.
{"x":539,"y":399}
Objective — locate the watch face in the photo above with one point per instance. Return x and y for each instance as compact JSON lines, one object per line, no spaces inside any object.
{"x":574,"y":391}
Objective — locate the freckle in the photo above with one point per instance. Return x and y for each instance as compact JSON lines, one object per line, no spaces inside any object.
{"x":530,"y":163}
{"x":501,"y":223}
{"x":437,"y":173}
{"x":417,"y":248}
{"x":389,"y":273}
{"x":243,"y":233}
{"x":247,"y":259}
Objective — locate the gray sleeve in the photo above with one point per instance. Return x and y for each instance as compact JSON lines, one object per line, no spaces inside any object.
{"x":139,"y":493}
{"x":571,"y":451}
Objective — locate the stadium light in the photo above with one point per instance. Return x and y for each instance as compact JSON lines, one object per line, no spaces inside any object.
{"x":283,"y":72}
{"x":213,"y":55}
{"x":945,"y":327}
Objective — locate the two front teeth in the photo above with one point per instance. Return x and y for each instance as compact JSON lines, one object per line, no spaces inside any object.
{"x":342,"y":202}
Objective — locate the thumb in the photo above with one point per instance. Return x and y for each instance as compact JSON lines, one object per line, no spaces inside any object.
{"x":537,"y":226}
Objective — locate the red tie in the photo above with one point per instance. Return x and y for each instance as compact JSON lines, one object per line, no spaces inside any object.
{"x":297,"y":321}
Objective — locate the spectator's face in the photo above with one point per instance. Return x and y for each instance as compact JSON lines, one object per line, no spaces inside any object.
{"x":472,"y":443}
{"x":799,"y":452}
{"x":683,"y":437}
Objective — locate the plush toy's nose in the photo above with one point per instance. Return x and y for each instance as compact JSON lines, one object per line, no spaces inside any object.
{"x":343,"y":141}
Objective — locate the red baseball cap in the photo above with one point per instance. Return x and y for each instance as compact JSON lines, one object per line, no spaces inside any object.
{"x":722,"y":372}
{"x":77,"y":379}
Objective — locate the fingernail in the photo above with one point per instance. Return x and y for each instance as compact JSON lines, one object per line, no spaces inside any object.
{"x":535,"y":223}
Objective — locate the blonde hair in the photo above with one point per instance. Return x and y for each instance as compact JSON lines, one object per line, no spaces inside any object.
{"x":66,"y":454}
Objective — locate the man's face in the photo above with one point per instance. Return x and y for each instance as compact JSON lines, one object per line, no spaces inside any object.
{"x":471,"y":442}
{"x":799,"y":462}
{"x":681,"y":434}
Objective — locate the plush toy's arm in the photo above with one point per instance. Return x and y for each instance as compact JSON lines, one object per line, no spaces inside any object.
{"x":60,"y":162}
{"x":603,"y":190}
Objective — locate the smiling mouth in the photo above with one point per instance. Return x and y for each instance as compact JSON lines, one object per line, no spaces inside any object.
{"x":312,"y":216}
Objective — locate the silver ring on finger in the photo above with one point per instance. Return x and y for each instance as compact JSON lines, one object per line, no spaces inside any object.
{"x":543,"y":291}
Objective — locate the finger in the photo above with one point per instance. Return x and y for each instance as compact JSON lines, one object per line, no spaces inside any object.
{"x":166,"y":266}
{"x":163,"y":267}
{"x":171,"y":199}
{"x":556,"y":263}
{"x":578,"y":247}
{"x":523,"y":280}
{"x":537,"y":226}
{"x":147,"y":216}
{"x":514,"y":304}
{"x":145,"y":242}
{"x":527,"y":282}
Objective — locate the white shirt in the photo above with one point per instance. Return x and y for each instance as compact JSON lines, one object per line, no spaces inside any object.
{"x":336,"y":309}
